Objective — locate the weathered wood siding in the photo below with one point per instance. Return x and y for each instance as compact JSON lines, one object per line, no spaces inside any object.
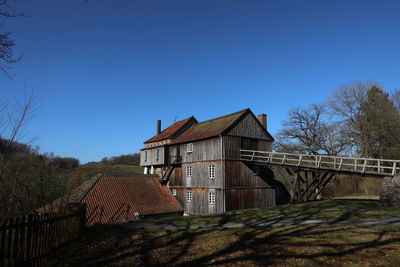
{"x":237,"y":174}
{"x":199,"y":176}
{"x":249,"y":127}
{"x":246,"y":189}
{"x":202,"y":150}
{"x":233,"y":144}
{"x":176,"y":177}
{"x":152,"y":156}
{"x":249,"y":198}
{"x":200,"y":203}
{"x":231,"y":147}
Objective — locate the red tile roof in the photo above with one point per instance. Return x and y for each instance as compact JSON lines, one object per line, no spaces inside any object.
{"x":122,"y":197}
{"x":211,"y":128}
{"x":170,"y":131}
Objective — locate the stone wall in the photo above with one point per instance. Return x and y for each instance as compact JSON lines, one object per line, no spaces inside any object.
{"x":390,"y":195}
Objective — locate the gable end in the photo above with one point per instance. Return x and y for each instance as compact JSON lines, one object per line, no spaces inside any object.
{"x":249,"y":126}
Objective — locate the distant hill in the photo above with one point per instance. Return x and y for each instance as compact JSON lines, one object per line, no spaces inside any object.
{"x":128,"y":159}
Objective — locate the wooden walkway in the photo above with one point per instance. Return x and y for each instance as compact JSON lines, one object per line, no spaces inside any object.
{"x":347,"y":165}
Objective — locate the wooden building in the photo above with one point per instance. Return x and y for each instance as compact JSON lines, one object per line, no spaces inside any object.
{"x":200,"y":163}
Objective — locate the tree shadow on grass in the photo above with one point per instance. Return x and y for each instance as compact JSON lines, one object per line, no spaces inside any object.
{"x":256,"y":244}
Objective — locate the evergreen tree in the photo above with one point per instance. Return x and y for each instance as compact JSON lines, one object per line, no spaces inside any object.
{"x":379,"y":126}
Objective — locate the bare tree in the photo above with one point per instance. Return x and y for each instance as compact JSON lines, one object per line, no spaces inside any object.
{"x":345,"y":106}
{"x":13,"y":121}
{"x":309,"y":131}
{"x":7,"y":45}
{"x":395,"y":97}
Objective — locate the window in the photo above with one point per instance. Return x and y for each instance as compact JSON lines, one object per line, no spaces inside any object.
{"x":211,"y":198}
{"x":189,"y":148}
{"x":174,"y":192}
{"x":158,"y":154}
{"x":145,"y":156}
{"x":211,"y":171}
{"x":189,"y":196}
{"x":188,"y":171}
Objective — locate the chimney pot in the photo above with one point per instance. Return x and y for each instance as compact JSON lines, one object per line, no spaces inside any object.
{"x":262,"y":118}
{"x":158,"y":127}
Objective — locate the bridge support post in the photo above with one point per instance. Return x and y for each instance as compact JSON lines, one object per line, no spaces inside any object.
{"x":390,"y":195}
{"x":308,"y":185}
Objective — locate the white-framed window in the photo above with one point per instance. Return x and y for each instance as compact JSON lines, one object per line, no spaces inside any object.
{"x":189,"y":196}
{"x":145,"y":156}
{"x":211,"y":198}
{"x":174,"y":192}
{"x":211,"y":171}
{"x":158,"y":154}
{"x":188,"y":171}
{"x":189,"y":148}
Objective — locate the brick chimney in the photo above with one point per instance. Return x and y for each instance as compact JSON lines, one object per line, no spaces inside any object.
{"x":262,"y":118}
{"x":158,"y":127}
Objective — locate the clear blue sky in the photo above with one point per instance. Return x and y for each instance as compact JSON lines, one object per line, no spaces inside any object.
{"x":105,"y":71}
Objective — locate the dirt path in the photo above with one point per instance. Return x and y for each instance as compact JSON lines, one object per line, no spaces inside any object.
{"x":275,"y":223}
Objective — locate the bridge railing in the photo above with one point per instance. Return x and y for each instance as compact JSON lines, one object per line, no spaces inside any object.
{"x":382,"y":167}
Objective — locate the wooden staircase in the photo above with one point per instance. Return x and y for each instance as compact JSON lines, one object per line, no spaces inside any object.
{"x":174,"y":162}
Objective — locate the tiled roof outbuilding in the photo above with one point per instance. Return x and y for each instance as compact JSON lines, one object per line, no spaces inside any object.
{"x":119,"y":198}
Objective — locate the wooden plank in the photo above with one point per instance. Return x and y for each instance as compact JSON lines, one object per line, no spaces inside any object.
{"x":9,"y":240}
{"x":346,"y":165}
{"x":32,"y":239}
{"x":22,"y":241}
{"x":2,"y":244}
{"x":28,"y":253}
{"x":16,"y":240}
{"x":324,"y":183}
{"x":295,"y":188}
{"x":39,"y":238}
{"x":46,"y":241}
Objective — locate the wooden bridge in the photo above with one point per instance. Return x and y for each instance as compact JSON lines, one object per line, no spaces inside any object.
{"x":311,"y":173}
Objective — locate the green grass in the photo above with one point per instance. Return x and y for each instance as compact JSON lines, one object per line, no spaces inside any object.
{"x":296,"y":245}
{"x":356,"y":196}
{"x":283,"y":246}
{"x":123,"y":169}
{"x":323,"y":210}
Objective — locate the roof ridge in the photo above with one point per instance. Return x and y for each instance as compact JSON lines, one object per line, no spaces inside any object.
{"x":95,"y":179}
{"x":165,"y":131}
{"x":221,"y":117}
{"x":179,"y":121}
{"x":212,"y":127}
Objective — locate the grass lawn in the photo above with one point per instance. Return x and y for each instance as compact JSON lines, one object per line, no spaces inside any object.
{"x":296,"y":245}
{"x":123,"y":169}
{"x":339,"y":209}
{"x":356,"y":196}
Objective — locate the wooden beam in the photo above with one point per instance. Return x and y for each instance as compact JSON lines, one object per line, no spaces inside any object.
{"x":320,"y":186}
